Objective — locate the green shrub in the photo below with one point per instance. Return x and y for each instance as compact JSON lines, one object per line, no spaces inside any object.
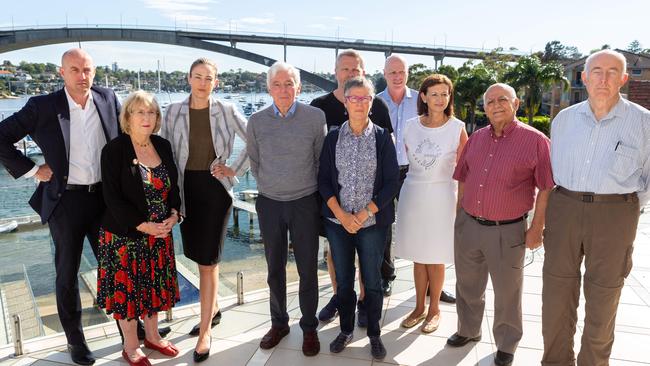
{"x":541,"y":123}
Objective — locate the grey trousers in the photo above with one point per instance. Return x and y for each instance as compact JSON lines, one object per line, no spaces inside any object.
{"x":301,"y":219}
{"x":497,"y":251}
{"x":603,"y":234}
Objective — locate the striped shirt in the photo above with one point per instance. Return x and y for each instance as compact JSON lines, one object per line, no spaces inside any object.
{"x":500,"y":174}
{"x":610,"y":156}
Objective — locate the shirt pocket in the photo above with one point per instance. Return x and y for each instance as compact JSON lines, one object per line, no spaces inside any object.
{"x":625,"y":163}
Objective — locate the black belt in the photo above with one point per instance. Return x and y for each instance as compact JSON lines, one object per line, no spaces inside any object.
{"x":84,"y":187}
{"x":590,"y":197}
{"x":486,"y":222}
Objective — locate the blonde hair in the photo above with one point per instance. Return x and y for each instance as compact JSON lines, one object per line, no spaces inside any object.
{"x":134,"y":99}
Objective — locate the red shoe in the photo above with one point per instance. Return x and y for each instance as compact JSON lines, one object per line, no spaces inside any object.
{"x":142,"y":361}
{"x":170,"y":350}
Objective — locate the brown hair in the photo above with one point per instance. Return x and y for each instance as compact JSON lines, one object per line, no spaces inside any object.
{"x":203,"y":61}
{"x":134,"y":99}
{"x":431,"y":80}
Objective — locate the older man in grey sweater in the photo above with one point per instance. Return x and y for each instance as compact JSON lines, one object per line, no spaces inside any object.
{"x":284,"y":145}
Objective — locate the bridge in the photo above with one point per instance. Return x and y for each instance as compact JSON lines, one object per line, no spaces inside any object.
{"x":19,"y":38}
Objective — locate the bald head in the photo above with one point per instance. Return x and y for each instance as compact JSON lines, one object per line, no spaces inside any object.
{"x":77,"y":71}
{"x":396,"y":75}
{"x":75,"y":53}
{"x":395,"y":60}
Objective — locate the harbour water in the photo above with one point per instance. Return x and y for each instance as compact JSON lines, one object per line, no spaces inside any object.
{"x":27,"y":255}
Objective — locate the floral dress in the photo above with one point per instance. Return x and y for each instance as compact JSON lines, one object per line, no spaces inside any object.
{"x":137,"y":277}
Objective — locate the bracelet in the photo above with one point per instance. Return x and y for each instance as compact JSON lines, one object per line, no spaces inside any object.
{"x":369,"y":211}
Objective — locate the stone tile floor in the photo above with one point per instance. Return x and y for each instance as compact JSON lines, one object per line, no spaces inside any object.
{"x":236,"y":339}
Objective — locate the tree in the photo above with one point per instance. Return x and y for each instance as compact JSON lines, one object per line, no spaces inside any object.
{"x":497,"y":62}
{"x":417,"y":73}
{"x":449,"y":71}
{"x":472,"y":83}
{"x":635,"y":47}
{"x":556,"y":51}
{"x":532,"y":76}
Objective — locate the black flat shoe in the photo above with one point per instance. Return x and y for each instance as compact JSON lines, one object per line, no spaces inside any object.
{"x":503,"y":358}
{"x":200,"y":357}
{"x":458,"y":341}
{"x":447,"y":297}
{"x":216,"y":319}
{"x":80,"y":354}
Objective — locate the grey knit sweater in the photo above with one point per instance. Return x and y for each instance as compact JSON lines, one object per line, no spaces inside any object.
{"x":284,"y":152}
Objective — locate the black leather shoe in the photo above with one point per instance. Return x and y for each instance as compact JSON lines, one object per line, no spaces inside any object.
{"x":216,"y":319}
{"x":80,"y":354}
{"x":503,"y":358}
{"x":447,"y":297}
{"x":387,"y":287}
{"x":458,"y":341}
{"x":141,"y":334}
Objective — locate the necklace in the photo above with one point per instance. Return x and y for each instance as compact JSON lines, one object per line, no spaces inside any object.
{"x":146,"y":144}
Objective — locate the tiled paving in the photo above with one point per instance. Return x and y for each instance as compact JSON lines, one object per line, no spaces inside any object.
{"x":236,"y":339}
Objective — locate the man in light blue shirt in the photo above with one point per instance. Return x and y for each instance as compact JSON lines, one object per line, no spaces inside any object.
{"x":600,"y":159}
{"x":402,"y":106}
{"x":402,"y":103}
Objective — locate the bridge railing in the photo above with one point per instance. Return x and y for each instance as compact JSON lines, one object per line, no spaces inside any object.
{"x":305,"y":37}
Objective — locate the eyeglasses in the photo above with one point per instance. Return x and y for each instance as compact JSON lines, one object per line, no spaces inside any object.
{"x":356,"y":100}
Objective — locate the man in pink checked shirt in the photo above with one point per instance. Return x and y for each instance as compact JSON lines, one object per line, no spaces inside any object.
{"x":498,"y":173}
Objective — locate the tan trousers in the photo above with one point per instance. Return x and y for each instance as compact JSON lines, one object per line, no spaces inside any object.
{"x":603,"y":234}
{"x":498,"y":251}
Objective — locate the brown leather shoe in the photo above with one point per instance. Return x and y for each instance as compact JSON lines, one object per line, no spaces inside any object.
{"x":310,"y":343}
{"x":273,"y":337}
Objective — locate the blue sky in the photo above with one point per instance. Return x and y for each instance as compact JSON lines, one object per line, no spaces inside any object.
{"x":469,"y":23}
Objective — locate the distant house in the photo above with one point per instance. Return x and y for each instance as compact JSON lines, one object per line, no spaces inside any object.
{"x":4,"y":74}
{"x":22,"y":76}
{"x":638,"y":67}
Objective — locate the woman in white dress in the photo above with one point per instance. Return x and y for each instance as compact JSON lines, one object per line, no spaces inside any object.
{"x":427,"y":206}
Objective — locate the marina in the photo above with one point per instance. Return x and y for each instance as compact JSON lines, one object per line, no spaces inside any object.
{"x":26,"y":266}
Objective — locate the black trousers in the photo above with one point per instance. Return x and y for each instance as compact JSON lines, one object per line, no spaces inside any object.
{"x":301,"y":218}
{"x":387,"y":265}
{"x":77,"y":215}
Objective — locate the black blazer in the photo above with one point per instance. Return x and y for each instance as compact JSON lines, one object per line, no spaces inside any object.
{"x":126,"y":206}
{"x":46,"y":118}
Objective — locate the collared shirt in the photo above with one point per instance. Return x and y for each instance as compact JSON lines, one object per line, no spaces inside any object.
{"x":606,"y":156}
{"x":400,"y":113}
{"x":86,"y":142}
{"x":290,"y":112}
{"x":356,"y":162}
{"x":501,"y":173}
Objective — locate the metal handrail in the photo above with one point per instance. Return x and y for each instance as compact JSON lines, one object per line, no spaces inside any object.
{"x":33,"y":298}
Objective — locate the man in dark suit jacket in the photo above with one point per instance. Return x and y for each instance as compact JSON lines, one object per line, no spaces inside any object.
{"x":71,"y":126}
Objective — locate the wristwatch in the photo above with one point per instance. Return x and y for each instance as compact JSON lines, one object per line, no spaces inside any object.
{"x":369,"y":211}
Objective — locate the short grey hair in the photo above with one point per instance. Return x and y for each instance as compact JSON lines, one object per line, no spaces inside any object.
{"x":359,"y":82}
{"x":350,"y":53}
{"x":616,"y":54}
{"x":282,"y":66}
{"x":508,"y":88}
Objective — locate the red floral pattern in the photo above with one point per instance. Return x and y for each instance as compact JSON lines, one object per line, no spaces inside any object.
{"x":137,"y":277}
